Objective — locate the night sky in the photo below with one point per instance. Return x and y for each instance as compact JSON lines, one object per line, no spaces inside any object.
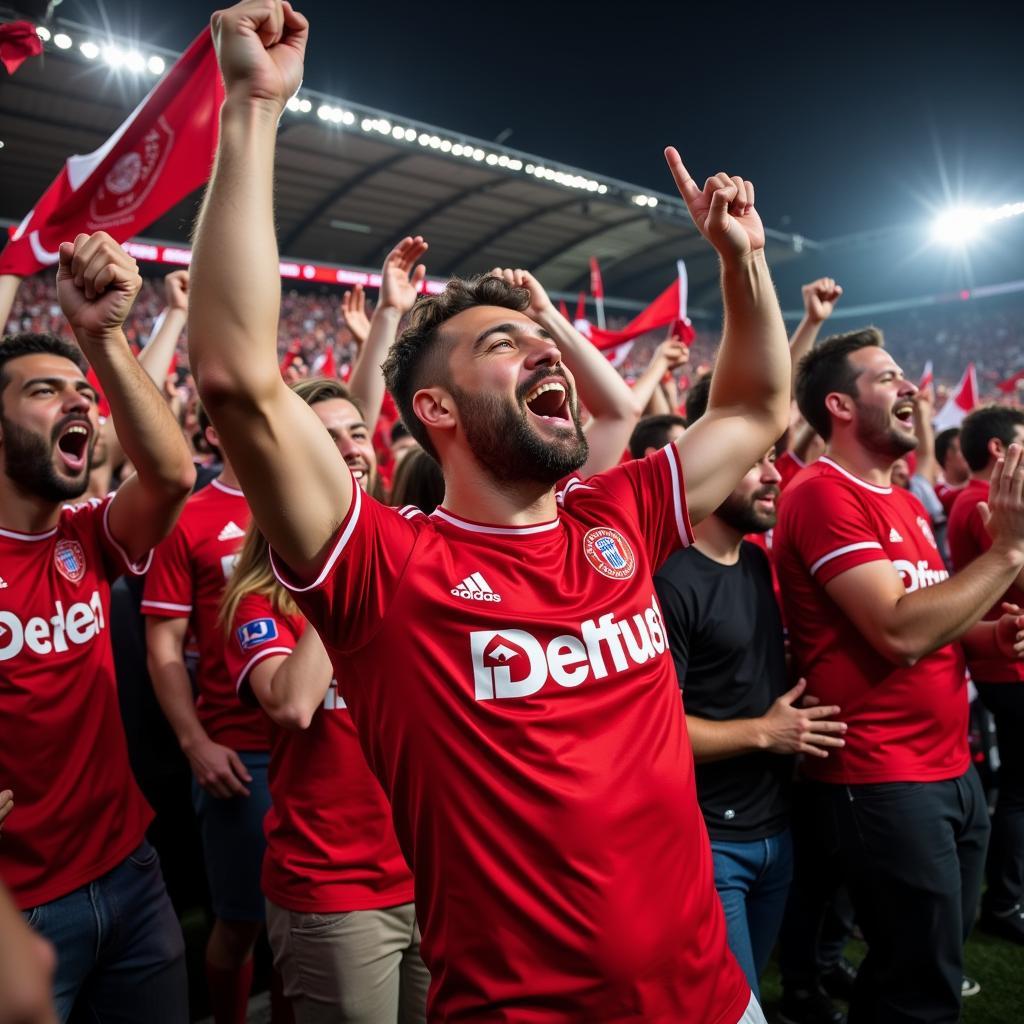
{"x":845,"y":120}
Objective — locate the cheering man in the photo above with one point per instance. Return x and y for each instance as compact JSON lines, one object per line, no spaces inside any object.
{"x":504,"y":659}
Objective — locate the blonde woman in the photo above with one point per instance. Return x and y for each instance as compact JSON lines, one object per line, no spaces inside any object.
{"x":340,"y":917}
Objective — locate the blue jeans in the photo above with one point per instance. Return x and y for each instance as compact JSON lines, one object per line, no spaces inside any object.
{"x":752,"y":879}
{"x":120,"y":951}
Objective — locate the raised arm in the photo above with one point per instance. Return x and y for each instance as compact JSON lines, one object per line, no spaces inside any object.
{"x":401,"y":278}
{"x":353,"y":308}
{"x":155,"y":358}
{"x":290,"y":688}
{"x":820,"y":298}
{"x":97,"y":282}
{"x":903,"y":625}
{"x":748,"y":409}
{"x":602,"y":391}
{"x":9,"y":285}
{"x":924,"y":410}
{"x":295,"y":480}
{"x":668,"y":357}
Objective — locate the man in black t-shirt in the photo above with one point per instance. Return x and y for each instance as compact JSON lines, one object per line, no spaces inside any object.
{"x":726,"y":638}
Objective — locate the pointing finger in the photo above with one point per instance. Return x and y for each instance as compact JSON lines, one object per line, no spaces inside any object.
{"x":684,"y":182}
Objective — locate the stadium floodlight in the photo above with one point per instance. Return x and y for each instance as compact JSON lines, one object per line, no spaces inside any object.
{"x":347,"y":117}
{"x":114,"y":56}
{"x":962,"y":224}
{"x":155,"y":65}
{"x":44,"y":33}
{"x":324,"y":113}
{"x":62,"y":41}
{"x":90,"y":51}
{"x":134,"y":61}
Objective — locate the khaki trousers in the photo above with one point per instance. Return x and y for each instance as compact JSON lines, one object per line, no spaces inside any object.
{"x":359,"y":967}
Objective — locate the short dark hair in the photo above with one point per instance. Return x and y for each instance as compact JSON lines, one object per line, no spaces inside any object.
{"x":980,"y":426}
{"x":697,"y":399}
{"x":417,"y":360}
{"x":943,"y":442}
{"x":13,"y":346}
{"x":826,"y":369}
{"x":398,"y":431}
{"x":652,"y":432}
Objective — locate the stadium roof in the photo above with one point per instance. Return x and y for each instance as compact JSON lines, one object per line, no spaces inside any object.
{"x":351,"y":180}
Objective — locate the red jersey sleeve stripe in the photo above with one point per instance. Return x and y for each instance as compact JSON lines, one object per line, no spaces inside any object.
{"x":675,"y":466}
{"x":166,"y":606}
{"x":139,"y":568}
{"x":256,"y":659}
{"x":863,"y":545}
{"x":353,"y":518}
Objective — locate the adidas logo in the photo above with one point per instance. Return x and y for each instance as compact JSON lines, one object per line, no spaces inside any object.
{"x":894,"y":536}
{"x":3,"y":583}
{"x":475,"y":588}
{"x":231,"y":532}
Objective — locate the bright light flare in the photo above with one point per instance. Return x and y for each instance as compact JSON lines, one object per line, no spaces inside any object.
{"x":961,"y":225}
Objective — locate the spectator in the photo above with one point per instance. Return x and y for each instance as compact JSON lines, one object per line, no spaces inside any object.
{"x":872,"y":614}
{"x":985,"y":437}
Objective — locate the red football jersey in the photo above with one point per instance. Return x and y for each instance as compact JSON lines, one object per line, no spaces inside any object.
{"x":331,"y":846}
{"x":968,"y":538}
{"x":78,"y":811}
{"x":947,"y":495}
{"x":905,"y":724}
{"x":190,"y":570}
{"x":512,"y":690}
{"x":788,"y":465}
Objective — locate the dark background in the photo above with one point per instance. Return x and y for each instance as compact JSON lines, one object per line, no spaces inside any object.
{"x":847,"y":120}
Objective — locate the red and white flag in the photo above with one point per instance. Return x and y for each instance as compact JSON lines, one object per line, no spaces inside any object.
{"x":324,"y":365}
{"x":961,"y":401}
{"x":927,"y":377}
{"x":161,"y":153}
{"x":596,"y":284}
{"x":1011,"y":383}
{"x":668,"y":309}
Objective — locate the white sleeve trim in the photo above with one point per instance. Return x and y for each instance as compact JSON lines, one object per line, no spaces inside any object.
{"x":863,"y":545}
{"x":672,"y":455}
{"x":167,"y":606}
{"x":256,"y":659}
{"x":139,"y":568}
{"x":357,"y":504}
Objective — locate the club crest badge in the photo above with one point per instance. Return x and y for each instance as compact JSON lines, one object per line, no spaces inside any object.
{"x":926,"y":529}
{"x":69,"y":558}
{"x":609,"y":553}
{"x":127,"y":184}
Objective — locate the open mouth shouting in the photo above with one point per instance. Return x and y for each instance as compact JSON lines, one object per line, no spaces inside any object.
{"x":73,"y":445}
{"x":904,"y":412}
{"x":548,"y":402}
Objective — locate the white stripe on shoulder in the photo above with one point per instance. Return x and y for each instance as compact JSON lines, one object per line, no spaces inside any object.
{"x":256,"y":659}
{"x":166,"y":606}
{"x":575,"y":484}
{"x":135,"y":568}
{"x":357,"y":504}
{"x":863,"y":545}
{"x":856,"y":479}
{"x":672,"y":454}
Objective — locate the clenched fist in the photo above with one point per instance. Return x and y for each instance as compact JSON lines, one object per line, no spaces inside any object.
{"x":97,"y":282}
{"x":261,"y":46}
{"x":820,"y":298}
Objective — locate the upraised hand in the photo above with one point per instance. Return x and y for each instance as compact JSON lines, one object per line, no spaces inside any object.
{"x":261,"y":47}
{"x":540,"y":305}
{"x":402,"y":277}
{"x":176,"y":290}
{"x":1003,"y":513}
{"x":674,"y":353}
{"x":820,"y":298}
{"x":97,"y":282}
{"x":723,"y":210}
{"x":353,"y":306}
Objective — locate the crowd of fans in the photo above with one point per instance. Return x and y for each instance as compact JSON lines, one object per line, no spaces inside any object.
{"x":393,"y":642}
{"x":987,"y":332}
